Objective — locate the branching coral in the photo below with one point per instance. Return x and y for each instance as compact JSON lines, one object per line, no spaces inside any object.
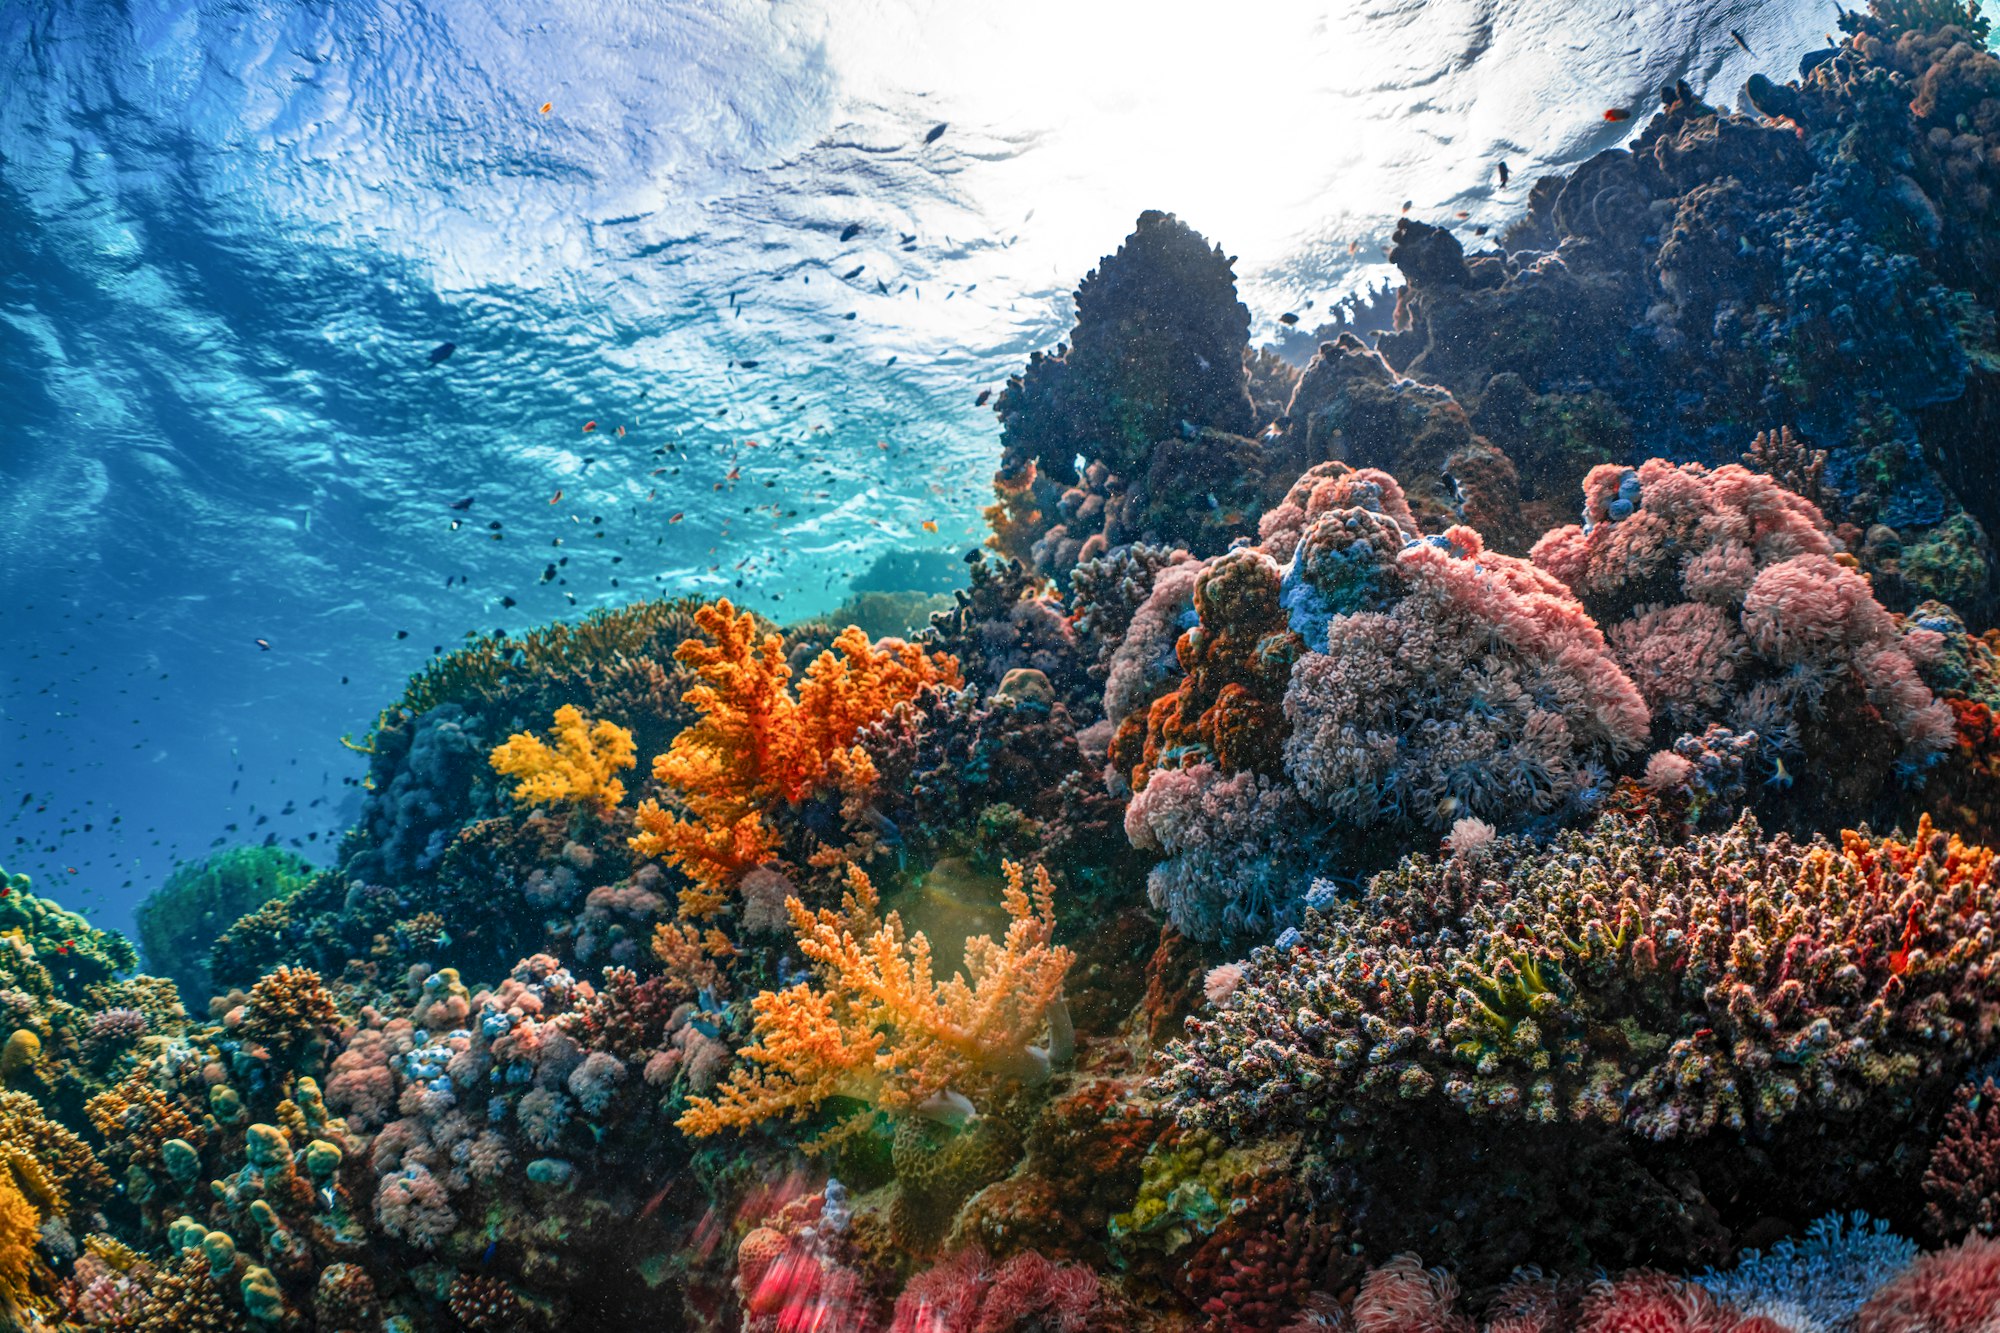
{"x":759,"y":745}
{"x":882,"y":1028}
{"x":582,"y":766}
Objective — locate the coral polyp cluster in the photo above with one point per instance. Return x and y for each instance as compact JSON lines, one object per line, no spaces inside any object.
{"x":1489,"y":829}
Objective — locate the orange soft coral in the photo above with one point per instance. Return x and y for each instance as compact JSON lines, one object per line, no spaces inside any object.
{"x":21,"y":1265}
{"x":582,"y":765}
{"x":883,"y":1028}
{"x":759,"y":745}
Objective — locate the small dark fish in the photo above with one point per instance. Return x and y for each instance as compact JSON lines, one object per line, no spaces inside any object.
{"x":1616,"y":114}
{"x":442,"y":353}
{"x":1479,"y":230}
{"x":972,"y":557}
{"x":1740,"y":42}
{"x":1288,"y":318}
{"x":905,"y":240}
{"x":892,"y":361}
{"x":849,"y":232}
{"x":826,"y":337}
{"x":984,"y":394}
{"x":508,"y":603}
{"x":852,"y":273}
{"x":1504,"y":173}
{"x":749,"y":365}
{"x":264,"y":644}
{"x":937,"y":132}
{"x":402,"y":634}
{"x":462,"y":505}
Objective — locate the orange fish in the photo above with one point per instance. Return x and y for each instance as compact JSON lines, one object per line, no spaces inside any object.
{"x":556,"y":498}
{"x":547,"y":107}
{"x":621,"y":432}
{"x":589,"y":426}
{"x":1616,"y":114}
{"x":677,"y":517}
{"x":734,"y":473}
{"x":929,"y":525}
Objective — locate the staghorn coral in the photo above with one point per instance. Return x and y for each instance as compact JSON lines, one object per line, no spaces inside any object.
{"x":581,"y":767}
{"x":289,"y":1008}
{"x":882,"y":1028}
{"x":759,"y":744}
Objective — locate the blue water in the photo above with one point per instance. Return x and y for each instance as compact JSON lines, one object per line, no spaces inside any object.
{"x":231,"y":234}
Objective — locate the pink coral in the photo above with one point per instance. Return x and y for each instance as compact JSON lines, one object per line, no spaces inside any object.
{"x":412,"y":1206}
{"x":966,"y":1294}
{"x":1953,"y":1291}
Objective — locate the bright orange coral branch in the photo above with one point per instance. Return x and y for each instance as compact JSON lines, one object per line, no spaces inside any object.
{"x":581,"y":766}
{"x":882,"y":1027}
{"x":759,"y":745}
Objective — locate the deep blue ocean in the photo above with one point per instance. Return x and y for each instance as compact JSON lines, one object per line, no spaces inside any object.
{"x":723,"y":284}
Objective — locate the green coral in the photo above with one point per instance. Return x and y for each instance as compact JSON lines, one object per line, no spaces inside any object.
{"x":51,"y":952}
{"x":180,"y":920}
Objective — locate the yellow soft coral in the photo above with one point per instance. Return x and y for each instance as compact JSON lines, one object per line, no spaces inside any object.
{"x":582,"y":765}
{"x":883,"y":1028}
{"x":20,"y":1232}
{"x":758,"y":745}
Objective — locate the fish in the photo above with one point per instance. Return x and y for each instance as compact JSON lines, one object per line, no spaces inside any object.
{"x":556,"y":498}
{"x":849,"y":232}
{"x":442,"y":353}
{"x":547,"y":107}
{"x":930,"y":525}
{"x":1480,"y":230}
{"x":678,"y":516}
{"x":462,"y":505}
{"x":852,"y":273}
{"x":621,"y":432}
{"x":974,"y":556}
{"x":264,"y":644}
{"x":509,"y":603}
{"x":1288,"y":319}
{"x":749,"y":365}
{"x":1504,"y":173}
{"x":1738,"y":38}
{"x":1616,"y":114}
{"x":937,"y":132}
{"x":589,"y":426}
{"x":826,"y":337}
{"x":981,"y":400}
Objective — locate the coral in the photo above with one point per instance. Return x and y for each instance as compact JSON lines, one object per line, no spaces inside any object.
{"x":1953,"y":1291}
{"x":759,"y":744}
{"x":1727,"y":603}
{"x":179,"y":921}
{"x":882,"y":1028}
{"x":1962,"y":1181}
{"x":581,"y":767}
{"x":1156,"y":357}
{"x":289,"y":1008}
{"x":1726,"y":986}
{"x":1819,"y":1280}
{"x":968,"y":1294}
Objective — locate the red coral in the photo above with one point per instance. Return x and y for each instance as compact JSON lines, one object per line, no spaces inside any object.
{"x":1962,"y":1182}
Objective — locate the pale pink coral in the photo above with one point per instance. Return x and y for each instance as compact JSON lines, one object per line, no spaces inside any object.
{"x":412,"y":1206}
